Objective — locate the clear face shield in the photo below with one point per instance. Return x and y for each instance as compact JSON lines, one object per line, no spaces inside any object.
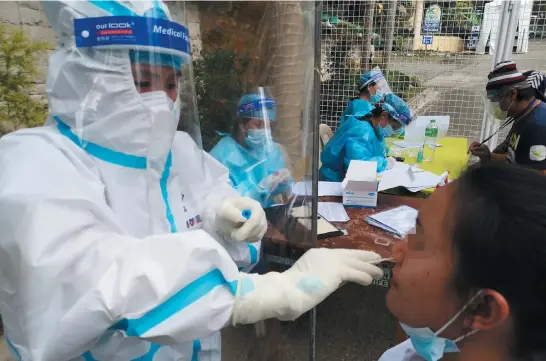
{"x":121,"y":95}
{"x":256,"y":117}
{"x":378,"y":85}
{"x":395,"y":124}
{"x":492,"y":102}
{"x":157,"y":78}
{"x":397,"y":128}
{"x":141,"y":84}
{"x":261,"y":162}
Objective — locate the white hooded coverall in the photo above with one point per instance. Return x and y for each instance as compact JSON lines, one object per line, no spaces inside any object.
{"x":113,"y":225}
{"x":97,"y":208}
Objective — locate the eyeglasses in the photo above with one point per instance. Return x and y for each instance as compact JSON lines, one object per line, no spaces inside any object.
{"x":497,"y":95}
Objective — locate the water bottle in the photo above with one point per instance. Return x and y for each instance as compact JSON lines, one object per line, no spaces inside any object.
{"x":431,"y":133}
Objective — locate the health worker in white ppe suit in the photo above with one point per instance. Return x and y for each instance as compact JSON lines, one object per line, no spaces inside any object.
{"x":120,"y":239}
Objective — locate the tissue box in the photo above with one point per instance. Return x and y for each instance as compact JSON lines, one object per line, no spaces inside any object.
{"x":360,"y":185}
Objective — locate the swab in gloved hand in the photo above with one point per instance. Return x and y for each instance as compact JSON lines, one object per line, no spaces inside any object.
{"x":232,"y":221}
{"x":247,"y":213}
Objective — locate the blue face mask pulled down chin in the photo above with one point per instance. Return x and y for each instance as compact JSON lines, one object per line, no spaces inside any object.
{"x":257,"y":139}
{"x":429,"y":345}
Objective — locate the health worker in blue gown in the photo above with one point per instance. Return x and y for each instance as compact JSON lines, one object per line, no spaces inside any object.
{"x":257,"y":167}
{"x":371,"y":89}
{"x":362,"y":137}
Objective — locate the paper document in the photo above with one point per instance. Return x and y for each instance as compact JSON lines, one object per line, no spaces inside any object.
{"x":413,"y":178}
{"x":398,"y":176}
{"x":324,"y":189}
{"x":333,"y":212}
{"x":426,"y":180}
{"x":399,"y":221}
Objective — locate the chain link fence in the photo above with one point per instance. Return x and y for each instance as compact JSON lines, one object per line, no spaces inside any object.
{"x":435,"y":54}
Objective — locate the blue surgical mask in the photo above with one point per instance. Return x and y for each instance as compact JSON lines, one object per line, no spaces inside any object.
{"x":429,"y":345}
{"x":387,"y":131}
{"x":376,"y":98}
{"x":257,"y":138}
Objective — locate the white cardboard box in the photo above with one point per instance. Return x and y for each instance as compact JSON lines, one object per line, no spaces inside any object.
{"x":360,"y":185}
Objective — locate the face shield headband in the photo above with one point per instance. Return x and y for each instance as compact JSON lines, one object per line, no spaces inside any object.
{"x":257,"y":108}
{"x":401,"y":118}
{"x":169,"y":41}
{"x":372,"y":81}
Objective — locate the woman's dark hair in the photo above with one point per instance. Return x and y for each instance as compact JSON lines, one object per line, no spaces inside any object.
{"x":377,"y":111}
{"x":236,"y":128}
{"x":499,"y":239}
{"x":364,"y":90}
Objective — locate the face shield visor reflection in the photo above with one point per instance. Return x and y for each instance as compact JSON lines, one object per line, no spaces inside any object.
{"x":158,"y":79}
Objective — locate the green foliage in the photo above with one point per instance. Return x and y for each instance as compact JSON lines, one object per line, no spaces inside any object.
{"x":460,"y":18}
{"x":18,"y":58}
{"x":466,"y":13}
{"x":401,"y":43}
{"x":219,"y":86}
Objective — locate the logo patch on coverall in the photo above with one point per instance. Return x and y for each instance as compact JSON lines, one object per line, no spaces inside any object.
{"x":191,"y":222}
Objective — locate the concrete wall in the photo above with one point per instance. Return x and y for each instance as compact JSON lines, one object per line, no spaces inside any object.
{"x":29,"y":16}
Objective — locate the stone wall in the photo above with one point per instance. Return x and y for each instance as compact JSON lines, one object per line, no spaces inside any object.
{"x":193,"y":18}
{"x":30,"y":16}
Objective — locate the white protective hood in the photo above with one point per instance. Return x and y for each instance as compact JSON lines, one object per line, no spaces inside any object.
{"x":112,"y":234}
{"x":92,"y":91}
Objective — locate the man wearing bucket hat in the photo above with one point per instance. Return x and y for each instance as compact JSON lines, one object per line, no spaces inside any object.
{"x":120,"y":239}
{"x":256,"y":164}
{"x":371,"y":89}
{"x":362,"y":137}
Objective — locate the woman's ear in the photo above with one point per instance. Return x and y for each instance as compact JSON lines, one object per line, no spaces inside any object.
{"x":241,"y":126}
{"x":239,"y":131}
{"x":384,"y":119}
{"x":488,"y":311}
